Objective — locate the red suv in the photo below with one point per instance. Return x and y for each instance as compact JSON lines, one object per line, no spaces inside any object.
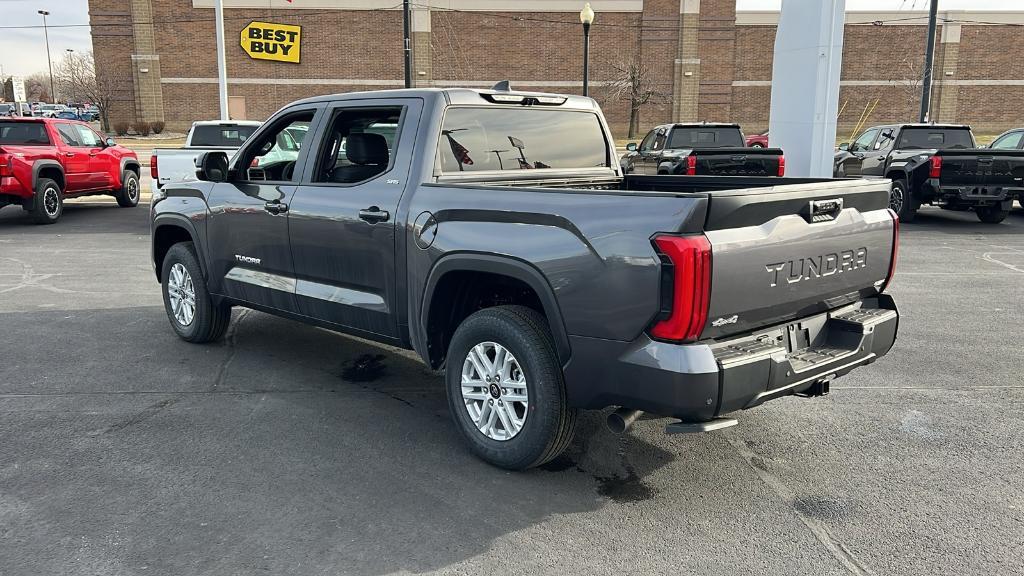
{"x":45,"y":160}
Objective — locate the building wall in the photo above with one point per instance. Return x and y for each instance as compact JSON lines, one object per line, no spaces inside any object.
{"x":704,"y":61}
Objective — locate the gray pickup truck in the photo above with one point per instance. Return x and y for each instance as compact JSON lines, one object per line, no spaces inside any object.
{"x":494,"y":233}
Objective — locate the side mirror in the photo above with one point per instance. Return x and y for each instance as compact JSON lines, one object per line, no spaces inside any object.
{"x":845,"y":146}
{"x":212,"y":166}
{"x":109,"y":142}
{"x":631,"y":147}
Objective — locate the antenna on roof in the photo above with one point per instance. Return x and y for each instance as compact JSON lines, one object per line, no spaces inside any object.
{"x":503,"y":86}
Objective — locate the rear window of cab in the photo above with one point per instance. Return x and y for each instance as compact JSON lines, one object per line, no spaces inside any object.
{"x":23,"y":134}
{"x":525,"y":138}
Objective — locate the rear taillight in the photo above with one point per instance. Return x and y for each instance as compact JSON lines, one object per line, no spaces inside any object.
{"x":686,"y":287}
{"x":154,"y":171}
{"x":782,"y":166}
{"x":895,"y":249}
{"x":936,"y":167}
{"x":6,"y":165}
{"x":691,"y":165}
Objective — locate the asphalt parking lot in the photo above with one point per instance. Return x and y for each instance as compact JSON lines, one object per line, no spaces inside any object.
{"x":287,"y":449}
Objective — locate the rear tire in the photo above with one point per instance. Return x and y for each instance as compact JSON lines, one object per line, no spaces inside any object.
{"x":991,"y":214}
{"x":128,"y":195}
{"x":901,"y":201}
{"x":193,"y":315}
{"x":48,"y":205}
{"x":532,"y":422}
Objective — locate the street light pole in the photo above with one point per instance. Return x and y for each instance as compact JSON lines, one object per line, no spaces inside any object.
{"x":587,"y":18}
{"x":929,"y":58}
{"x":406,"y":44}
{"x":46,"y":35}
{"x":70,"y":51}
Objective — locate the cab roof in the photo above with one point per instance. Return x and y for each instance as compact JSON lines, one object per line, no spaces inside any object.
{"x":458,"y":96}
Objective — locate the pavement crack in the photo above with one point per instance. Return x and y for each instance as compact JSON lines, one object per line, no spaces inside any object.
{"x":832,"y":544}
{"x":145,"y":414}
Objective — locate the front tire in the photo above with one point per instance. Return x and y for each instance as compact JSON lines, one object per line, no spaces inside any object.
{"x":505,"y":388}
{"x":48,"y":204}
{"x":901,"y":201}
{"x":192,"y":313}
{"x":991,"y":214}
{"x":128,"y":195}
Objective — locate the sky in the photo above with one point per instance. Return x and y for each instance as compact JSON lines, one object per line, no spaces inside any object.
{"x":23,"y":50}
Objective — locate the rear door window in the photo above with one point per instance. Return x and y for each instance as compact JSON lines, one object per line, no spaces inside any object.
{"x":480,"y":138}
{"x":23,"y":134}
{"x":68,"y":134}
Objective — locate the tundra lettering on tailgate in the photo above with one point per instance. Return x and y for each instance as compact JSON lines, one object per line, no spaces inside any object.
{"x":817,"y":266}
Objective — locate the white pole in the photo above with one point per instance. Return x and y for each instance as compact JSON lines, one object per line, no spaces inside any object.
{"x":222,"y":68}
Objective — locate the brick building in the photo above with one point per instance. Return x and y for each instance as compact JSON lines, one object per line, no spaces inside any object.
{"x":706,"y":60}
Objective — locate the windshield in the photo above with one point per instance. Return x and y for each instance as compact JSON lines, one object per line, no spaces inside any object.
{"x":705,"y":137}
{"x":221,"y":136}
{"x":938,"y":138}
{"x":480,"y":138}
{"x":23,"y":133}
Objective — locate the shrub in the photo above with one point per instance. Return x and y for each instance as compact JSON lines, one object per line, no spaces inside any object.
{"x":121,"y":128}
{"x":141,"y":128}
{"x":157,"y":127}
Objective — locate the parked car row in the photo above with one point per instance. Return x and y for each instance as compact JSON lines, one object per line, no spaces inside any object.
{"x":40,"y":110}
{"x":938,"y":164}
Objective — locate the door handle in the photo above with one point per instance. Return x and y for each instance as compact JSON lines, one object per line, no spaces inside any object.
{"x":69,"y":154}
{"x":373,"y":215}
{"x":879,"y":157}
{"x":275,"y":207}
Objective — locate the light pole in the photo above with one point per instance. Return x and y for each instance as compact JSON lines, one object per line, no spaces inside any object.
{"x":587,"y":18}
{"x":46,"y":34}
{"x":406,"y":44}
{"x":929,"y":59}
{"x":70,"y":65}
{"x":222,"y":67}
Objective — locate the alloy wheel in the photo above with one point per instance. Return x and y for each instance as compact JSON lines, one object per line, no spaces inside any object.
{"x":896,"y":198}
{"x":51,"y":202}
{"x":182,"y":294}
{"x":494,"y":390}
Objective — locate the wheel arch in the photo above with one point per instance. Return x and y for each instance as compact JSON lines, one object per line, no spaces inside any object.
{"x":48,"y":169}
{"x":171,"y":229}
{"x":491,"y":266}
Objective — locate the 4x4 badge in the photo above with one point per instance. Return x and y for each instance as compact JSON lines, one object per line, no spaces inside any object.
{"x":723,"y":321}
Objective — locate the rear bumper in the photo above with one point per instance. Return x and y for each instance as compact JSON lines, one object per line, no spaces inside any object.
{"x":971,"y":195}
{"x":699,"y":382}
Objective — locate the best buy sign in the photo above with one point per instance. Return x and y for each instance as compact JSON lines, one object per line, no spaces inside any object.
{"x":267,"y":41}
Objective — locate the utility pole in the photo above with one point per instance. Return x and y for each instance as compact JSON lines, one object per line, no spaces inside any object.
{"x":46,"y":35}
{"x":222,"y":67}
{"x":407,"y":43}
{"x":929,"y":57}
{"x":71,"y":66}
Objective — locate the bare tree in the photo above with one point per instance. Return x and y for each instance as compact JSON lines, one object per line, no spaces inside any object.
{"x":37,"y":87}
{"x":76,"y":77}
{"x":908,"y":76}
{"x":633,"y":82}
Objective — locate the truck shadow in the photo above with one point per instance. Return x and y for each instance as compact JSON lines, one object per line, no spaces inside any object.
{"x":285,"y":444}
{"x":931,"y":219}
{"x":82,"y":216}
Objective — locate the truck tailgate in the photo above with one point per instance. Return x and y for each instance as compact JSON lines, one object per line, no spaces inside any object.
{"x":791,"y":251}
{"x":738,"y":161}
{"x":982,"y":168}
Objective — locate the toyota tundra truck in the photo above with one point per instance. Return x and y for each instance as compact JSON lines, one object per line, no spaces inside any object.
{"x":494,"y":233}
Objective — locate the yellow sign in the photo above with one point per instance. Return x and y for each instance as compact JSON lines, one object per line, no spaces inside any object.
{"x":266,"y":41}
